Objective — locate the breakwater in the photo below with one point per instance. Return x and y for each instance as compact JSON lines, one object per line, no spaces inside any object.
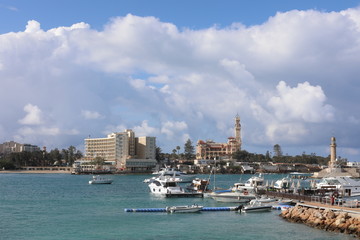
{"x":324,"y":218}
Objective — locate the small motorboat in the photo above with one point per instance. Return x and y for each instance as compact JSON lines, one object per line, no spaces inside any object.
{"x":100,"y":180}
{"x":256,"y":206}
{"x":184,"y":209}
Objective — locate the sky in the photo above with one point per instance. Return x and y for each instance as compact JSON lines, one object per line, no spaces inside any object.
{"x":179,"y":70}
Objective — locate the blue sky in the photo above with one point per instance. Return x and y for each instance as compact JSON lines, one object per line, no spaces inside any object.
{"x":189,"y":14}
{"x":182,"y":69}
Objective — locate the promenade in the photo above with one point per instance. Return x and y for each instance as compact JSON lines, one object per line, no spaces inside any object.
{"x":40,"y":170}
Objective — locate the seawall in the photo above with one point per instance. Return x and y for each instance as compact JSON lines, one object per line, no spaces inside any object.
{"x":335,"y":220}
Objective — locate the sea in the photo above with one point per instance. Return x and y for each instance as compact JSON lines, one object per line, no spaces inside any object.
{"x":65,"y":206}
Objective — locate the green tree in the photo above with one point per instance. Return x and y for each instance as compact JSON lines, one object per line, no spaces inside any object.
{"x":159,"y":156}
{"x":241,"y":156}
{"x":189,"y":150}
{"x":55,"y":156}
{"x":98,"y":161}
{"x":277,"y":150}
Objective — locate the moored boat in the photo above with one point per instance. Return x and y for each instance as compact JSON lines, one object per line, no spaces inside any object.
{"x":167,"y":187}
{"x":256,"y":206}
{"x":100,"y":180}
{"x":184,"y":209}
{"x":235,"y":196}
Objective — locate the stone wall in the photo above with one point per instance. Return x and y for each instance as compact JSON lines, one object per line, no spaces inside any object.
{"x":325,"y":219}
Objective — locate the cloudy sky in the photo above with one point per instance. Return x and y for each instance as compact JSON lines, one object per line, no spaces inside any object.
{"x":178,"y":70}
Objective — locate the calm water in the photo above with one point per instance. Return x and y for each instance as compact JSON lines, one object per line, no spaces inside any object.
{"x":64,"y":206}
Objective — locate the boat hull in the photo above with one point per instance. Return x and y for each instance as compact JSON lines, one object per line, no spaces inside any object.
{"x":184,"y":209}
{"x":234,"y":197}
{"x":256,"y":209}
{"x":101,"y":182}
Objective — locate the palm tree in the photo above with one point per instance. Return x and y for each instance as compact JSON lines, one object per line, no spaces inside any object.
{"x":178,"y":148}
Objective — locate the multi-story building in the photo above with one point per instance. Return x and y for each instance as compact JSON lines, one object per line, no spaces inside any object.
{"x":123,"y":150}
{"x":209,"y":149}
{"x":146,"y":147}
{"x":9,"y":147}
{"x":114,"y":148}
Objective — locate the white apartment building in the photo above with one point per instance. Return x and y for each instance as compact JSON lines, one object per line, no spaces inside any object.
{"x":10,"y":147}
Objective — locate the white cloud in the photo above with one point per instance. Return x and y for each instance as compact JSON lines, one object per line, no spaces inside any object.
{"x":33,"y":116}
{"x":286,"y":132}
{"x":185,"y":83}
{"x":27,"y":131}
{"x":33,"y":27}
{"x":145,"y":129}
{"x":303,"y":103}
{"x":171,"y":128}
{"x":91,"y":114}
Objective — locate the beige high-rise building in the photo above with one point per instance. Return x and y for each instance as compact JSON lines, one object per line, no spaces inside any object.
{"x":113,"y":148}
{"x":132,"y":143}
{"x":124,"y":150}
{"x":146,"y":147}
{"x":210,"y":149}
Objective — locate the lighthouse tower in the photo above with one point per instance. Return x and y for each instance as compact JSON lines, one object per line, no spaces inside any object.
{"x":332,"y":153}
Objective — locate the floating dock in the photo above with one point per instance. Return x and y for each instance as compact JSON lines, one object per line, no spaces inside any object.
{"x":204,"y":209}
{"x":185,"y":194}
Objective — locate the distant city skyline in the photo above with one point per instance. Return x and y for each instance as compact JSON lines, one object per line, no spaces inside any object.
{"x":182,"y":70}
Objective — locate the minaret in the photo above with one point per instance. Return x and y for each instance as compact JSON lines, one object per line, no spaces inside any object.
{"x":238,"y":130}
{"x":332,"y":152}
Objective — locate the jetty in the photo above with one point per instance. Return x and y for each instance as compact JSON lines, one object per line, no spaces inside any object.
{"x":333,"y":218}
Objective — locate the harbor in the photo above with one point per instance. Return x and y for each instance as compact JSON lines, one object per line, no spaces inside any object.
{"x":69,"y":203}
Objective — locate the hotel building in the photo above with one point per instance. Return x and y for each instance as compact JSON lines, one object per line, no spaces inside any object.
{"x":123,"y":150}
{"x":10,"y":147}
{"x":210,"y":149}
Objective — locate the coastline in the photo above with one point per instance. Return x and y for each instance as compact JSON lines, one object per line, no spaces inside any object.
{"x":328,"y":218}
{"x":34,"y":171}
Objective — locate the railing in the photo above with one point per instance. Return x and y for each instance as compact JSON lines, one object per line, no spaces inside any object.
{"x":299,"y":197}
{"x":327,"y":200}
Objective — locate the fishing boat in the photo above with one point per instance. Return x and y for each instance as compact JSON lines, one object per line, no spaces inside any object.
{"x":100,"y":180}
{"x":184,"y":209}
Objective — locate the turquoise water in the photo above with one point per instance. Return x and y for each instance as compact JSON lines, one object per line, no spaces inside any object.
{"x":64,"y":206}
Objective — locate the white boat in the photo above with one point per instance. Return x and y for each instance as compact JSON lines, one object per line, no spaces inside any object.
{"x":235,"y":196}
{"x":163,"y":177}
{"x":257,"y":206}
{"x":167,"y":187}
{"x":240,"y":192}
{"x":100,"y":180}
{"x":284,"y":183}
{"x":345,"y":186}
{"x":167,"y":171}
{"x":184,"y":209}
{"x":199,"y":185}
{"x":255,"y":183}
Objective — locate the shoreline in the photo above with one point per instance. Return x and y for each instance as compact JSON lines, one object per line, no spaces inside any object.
{"x":328,"y":218}
{"x":34,"y":171}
